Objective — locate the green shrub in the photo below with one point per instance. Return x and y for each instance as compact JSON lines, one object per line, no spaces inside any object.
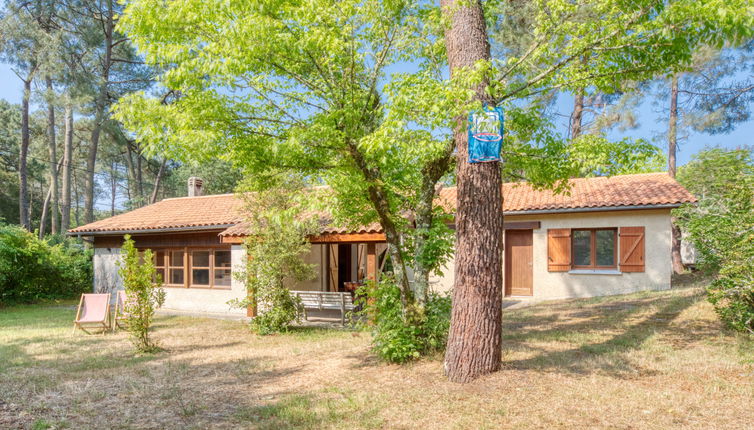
{"x":732,"y":293}
{"x":282,"y":309}
{"x":32,"y":269}
{"x":398,"y":334}
{"x":143,"y":294}
{"x":721,"y":226}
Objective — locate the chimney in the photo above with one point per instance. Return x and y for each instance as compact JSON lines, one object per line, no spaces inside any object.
{"x":195,"y":187}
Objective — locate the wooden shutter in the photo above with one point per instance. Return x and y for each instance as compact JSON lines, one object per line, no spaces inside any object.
{"x":559,"y":249}
{"x":631,"y":249}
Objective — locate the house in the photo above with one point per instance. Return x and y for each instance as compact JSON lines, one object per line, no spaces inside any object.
{"x":608,"y":235}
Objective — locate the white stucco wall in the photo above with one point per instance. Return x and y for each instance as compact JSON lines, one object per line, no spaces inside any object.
{"x":558,"y":285}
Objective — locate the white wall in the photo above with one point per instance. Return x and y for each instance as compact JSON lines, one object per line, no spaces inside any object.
{"x":558,"y":285}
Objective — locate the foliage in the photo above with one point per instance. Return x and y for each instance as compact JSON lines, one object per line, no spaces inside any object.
{"x":721,"y":227}
{"x":402,"y":333}
{"x":723,"y":182}
{"x":732,"y":293}
{"x":144,"y":294}
{"x":278,"y":225}
{"x":356,"y":95}
{"x":32,"y":269}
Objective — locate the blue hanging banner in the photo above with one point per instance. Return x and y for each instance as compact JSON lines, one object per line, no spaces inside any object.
{"x":485,"y":135}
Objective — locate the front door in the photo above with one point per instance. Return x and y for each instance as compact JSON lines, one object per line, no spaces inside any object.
{"x":518,"y":262}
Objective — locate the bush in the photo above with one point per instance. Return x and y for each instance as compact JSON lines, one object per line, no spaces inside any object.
{"x":400,"y":335}
{"x":721,"y":227}
{"x":282,"y":308}
{"x":143,"y":294}
{"x":32,"y":269}
{"x":732,"y":293}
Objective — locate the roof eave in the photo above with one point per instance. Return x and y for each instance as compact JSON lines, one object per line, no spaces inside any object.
{"x":594,"y":209}
{"x":151,"y":230}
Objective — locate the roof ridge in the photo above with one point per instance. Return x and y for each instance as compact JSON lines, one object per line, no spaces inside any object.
{"x":198,"y":197}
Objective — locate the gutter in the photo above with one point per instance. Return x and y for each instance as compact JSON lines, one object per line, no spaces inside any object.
{"x":594,"y":209}
{"x":151,"y":230}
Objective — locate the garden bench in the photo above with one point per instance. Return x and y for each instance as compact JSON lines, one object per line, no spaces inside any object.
{"x":324,"y":300}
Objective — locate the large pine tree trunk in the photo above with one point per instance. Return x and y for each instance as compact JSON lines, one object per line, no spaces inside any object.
{"x":52,"y":147}
{"x":475,"y":328}
{"x":65,"y":207}
{"x":23,"y":185}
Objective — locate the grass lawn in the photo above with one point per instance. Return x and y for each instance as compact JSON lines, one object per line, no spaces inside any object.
{"x":650,"y":360}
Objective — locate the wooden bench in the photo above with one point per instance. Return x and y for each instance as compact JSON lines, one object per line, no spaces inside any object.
{"x":324,"y":300}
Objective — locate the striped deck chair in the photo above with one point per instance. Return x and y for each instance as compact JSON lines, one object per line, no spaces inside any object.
{"x":119,"y":316}
{"x":93,"y":312}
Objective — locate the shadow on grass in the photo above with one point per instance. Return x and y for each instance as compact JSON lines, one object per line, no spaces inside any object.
{"x":325,"y":409}
{"x":603,"y":335}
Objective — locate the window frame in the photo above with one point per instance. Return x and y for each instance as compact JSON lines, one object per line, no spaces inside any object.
{"x":593,"y":249}
{"x":188,"y":266}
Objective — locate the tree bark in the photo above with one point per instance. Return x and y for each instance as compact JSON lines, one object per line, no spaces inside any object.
{"x":577,"y":116}
{"x":677,"y":261}
{"x":52,"y":148}
{"x":65,"y":207}
{"x":113,"y":187}
{"x":431,"y":174}
{"x":99,"y":116}
{"x":23,"y":185}
{"x":474,"y":341}
{"x":157,"y":181}
{"x":673,"y":127}
{"x":45,"y":211}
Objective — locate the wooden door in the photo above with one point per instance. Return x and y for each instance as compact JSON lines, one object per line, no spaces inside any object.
{"x":518,"y":263}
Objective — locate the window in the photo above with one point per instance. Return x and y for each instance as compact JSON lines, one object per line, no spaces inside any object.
{"x":594,"y":248}
{"x":176,"y":268}
{"x":200,"y":268}
{"x":197,"y":268}
{"x":159,"y":265}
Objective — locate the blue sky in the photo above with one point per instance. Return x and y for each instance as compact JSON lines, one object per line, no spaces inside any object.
{"x":651,"y":121}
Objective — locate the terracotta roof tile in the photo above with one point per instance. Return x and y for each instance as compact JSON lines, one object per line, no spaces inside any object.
{"x":216,"y":210}
{"x":224,"y":210}
{"x":601,"y":192}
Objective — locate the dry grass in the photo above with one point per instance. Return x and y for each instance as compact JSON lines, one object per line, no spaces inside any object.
{"x":652,"y":360}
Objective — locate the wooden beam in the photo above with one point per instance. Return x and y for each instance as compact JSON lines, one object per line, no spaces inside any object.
{"x":372,"y":261}
{"x":522,"y":225}
{"x":235,"y":240}
{"x":348,"y":238}
{"x":514,"y":225}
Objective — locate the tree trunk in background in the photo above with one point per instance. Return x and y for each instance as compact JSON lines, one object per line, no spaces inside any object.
{"x":23,"y":186}
{"x":65,"y":207}
{"x":139,"y":176}
{"x":113,"y":187}
{"x":678,"y":267}
{"x":475,"y":328}
{"x":52,"y":147}
{"x":157,"y":180}
{"x":45,"y":211}
{"x":577,"y":116}
{"x":673,"y":126}
{"x":99,"y":116}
